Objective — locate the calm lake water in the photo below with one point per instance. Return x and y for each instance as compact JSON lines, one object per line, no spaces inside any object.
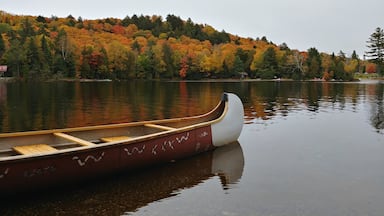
{"x":307,"y":148}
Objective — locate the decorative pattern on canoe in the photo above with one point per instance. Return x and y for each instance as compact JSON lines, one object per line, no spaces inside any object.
{"x":135,"y":149}
{"x":87,"y":158}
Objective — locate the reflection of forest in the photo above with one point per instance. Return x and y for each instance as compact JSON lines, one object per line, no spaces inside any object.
{"x":32,"y":106}
{"x":377,"y":112}
{"x":35,"y":106}
{"x":268,"y":99}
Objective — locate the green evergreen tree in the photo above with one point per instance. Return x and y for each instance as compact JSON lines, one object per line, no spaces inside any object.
{"x":85,"y":67}
{"x":339,"y":71}
{"x":59,"y":66}
{"x":41,"y":19}
{"x":70,"y":66}
{"x":313,"y":64}
{"x":33,"y":55}
{"x":27,"y":30}
{"x":238,"y":66}
{"x":131,"y":65}
{"x":80,"y":23}
{"x":151,"y":71}
{"x":16,"y":58}
{"x":376,"y":49}
{"x":47,"y":54}
{"x":269,"y":69}
{"x":354,"y":55}
{"x":42,"y":30}
{"x":2,"y":46}
{"x":168,"y":60}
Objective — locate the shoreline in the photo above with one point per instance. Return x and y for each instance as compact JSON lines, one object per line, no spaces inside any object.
{"x":360,"y":80}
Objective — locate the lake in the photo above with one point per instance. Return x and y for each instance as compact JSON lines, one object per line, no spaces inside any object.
{"x":307,"y":148}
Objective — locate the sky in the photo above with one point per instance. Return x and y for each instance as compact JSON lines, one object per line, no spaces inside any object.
{"x":330,"y":26}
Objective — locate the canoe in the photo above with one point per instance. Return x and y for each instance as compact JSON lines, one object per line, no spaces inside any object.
{"x":41,"y":159}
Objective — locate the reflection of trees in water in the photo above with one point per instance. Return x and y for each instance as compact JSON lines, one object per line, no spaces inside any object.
{"x":377,"y":111}
{"x":268,"y":99}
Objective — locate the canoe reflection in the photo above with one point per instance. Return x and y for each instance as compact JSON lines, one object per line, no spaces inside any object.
{"x":127,"y":193}
{"x":228,"y":164}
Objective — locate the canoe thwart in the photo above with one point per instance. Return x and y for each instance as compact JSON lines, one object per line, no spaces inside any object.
{"x":34,"y":149}
{"x":116,"y":138}
{"x":74,"y":139}
{"x":159,"y":126}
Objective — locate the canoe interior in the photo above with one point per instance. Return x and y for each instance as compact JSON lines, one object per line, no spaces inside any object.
{"x":12,"y":144}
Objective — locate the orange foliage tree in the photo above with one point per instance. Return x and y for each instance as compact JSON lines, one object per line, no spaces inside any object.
{"x":371,"y":68}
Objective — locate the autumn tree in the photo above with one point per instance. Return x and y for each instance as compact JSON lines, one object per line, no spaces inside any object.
{"x":144,"y":66}
{"x":376,"y":49}
{"x":63,"y":44}
{"x":94,"y":63}
{"x":122,"y":61}
{"x":184,"y":67}
{"x":294,"y":65}
{"x":371,"y":68}
{"x":64,"y":59}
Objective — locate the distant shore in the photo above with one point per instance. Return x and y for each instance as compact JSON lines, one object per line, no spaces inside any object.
{"x":361,"y":80}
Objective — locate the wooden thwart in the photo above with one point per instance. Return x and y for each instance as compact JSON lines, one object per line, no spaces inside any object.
{"x":74,"y":139}
{"x":34,"y":149}
{"x":116,"y":138}
{"x":159,"y":126}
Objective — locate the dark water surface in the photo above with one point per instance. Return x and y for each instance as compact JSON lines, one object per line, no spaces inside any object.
{"x":307,"y":148}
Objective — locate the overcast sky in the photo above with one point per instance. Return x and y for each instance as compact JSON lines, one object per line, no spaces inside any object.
{"x":328,"y":25}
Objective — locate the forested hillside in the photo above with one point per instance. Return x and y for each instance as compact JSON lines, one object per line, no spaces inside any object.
{"x":152,"y":47}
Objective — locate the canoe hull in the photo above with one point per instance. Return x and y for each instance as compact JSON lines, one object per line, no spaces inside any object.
{"x":42,"y":172}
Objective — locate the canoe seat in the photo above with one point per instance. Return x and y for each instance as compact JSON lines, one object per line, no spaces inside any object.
{"x":34,"y":149}
{"x":116,"y":138}
{"x":162,"y":127}
{"x":74,"y":139}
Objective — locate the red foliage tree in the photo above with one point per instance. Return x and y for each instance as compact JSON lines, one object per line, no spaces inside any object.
{"x":371,"y":68}
{"x":118,"y":29}
{"x":184,"y":67}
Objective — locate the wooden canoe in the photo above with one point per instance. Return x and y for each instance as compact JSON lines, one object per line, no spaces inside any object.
{"x":40,"y":159}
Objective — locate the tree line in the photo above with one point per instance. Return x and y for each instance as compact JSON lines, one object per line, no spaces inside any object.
{"x":151,"y":47}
